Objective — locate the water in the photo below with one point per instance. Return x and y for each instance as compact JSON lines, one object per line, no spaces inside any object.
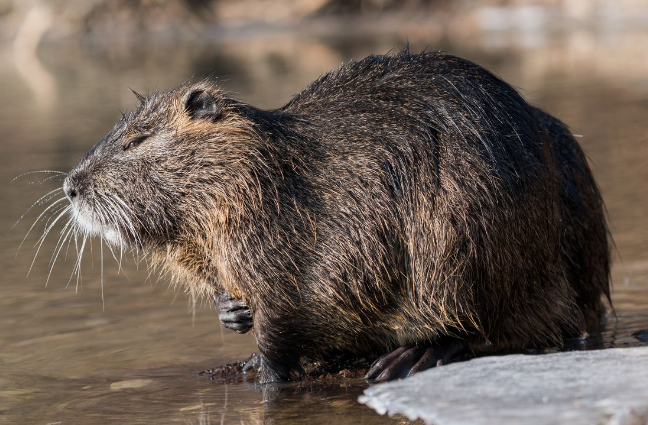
{"x":69,"y":354}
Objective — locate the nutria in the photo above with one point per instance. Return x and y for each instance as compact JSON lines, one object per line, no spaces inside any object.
{"x":411,"y":203}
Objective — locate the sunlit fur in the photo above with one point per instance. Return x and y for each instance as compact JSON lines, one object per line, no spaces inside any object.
{"x":395,"y":200}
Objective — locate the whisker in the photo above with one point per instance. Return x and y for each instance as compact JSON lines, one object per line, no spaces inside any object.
{"x":91,"y":253}
{"x":119,"y":265}
{"x":56,"y":176}
{"x":101,"y":275}
{"x":127,"y":220}
{"x":53,"y":205}
{"x":50,"y":219}
{"x":42,"y":238}
{"x":107,"y":216}
{"x":64,"y":235}
{"x":104,"y":214}
{"x":53,"y":213}
{"x":39,"y":201}
{"x":61,"y":234}
{"x":77,"y":266}
{"x":122,"y":217}
{"x":75,"y":230}
{"x":129,"y":209}
{"x":36,"y":172}
{"x":76,"y":248}
{"x":117,"y":221}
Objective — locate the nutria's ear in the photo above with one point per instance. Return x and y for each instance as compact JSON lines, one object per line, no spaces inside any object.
{"x":202,"y":104}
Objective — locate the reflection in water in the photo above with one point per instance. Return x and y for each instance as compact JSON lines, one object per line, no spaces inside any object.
{"x":64,"y":359}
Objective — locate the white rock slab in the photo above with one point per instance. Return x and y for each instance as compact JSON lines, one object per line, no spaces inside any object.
{"x":579,"y":387}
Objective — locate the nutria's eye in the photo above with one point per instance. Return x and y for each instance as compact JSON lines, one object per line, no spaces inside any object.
{"x":134,"y":142}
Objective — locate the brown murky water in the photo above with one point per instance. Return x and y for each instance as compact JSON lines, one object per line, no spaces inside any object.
{"x":69,"y":357}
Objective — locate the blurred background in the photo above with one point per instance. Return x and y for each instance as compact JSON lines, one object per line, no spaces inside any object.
{"x":70,"y":353}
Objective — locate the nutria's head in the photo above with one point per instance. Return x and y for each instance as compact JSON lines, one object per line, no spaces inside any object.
{"x":176,"y":164}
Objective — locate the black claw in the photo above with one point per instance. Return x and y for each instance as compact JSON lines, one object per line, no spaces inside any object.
{"x":401,"y":366}
{"x":236,"y":316}
{"x":233,"y":313}
{"x":426,"y":361}
{"x":379,"y":365}
{"x":239,"y":327}
{"x":405,"y":361}
{"x":231,"y":305}
{"x":254,"y":363}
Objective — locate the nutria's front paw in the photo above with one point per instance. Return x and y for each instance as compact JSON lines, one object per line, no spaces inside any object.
{"x":233,"y":313}
{"x":405,"y":361}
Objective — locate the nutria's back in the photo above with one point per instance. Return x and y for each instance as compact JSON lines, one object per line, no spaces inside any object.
{"x":400,"y":200}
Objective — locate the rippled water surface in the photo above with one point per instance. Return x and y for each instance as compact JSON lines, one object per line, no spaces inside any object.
{"x":72,"y":354}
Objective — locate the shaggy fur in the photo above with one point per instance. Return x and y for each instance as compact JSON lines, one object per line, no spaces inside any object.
{"x":394,"y":201}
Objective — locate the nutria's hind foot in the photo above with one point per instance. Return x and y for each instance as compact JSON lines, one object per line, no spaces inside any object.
{"x":233,"y":313}
{"x":407,"y":360}
{"x":253,"y":363}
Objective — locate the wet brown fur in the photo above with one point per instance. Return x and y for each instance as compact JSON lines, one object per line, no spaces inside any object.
{"x":395,"y":200}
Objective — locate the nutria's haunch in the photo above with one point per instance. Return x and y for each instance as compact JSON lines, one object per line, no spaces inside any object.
{"x":407,"y":203}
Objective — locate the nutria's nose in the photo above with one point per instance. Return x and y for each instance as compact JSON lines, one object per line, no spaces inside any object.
{"x":70,"y":189}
